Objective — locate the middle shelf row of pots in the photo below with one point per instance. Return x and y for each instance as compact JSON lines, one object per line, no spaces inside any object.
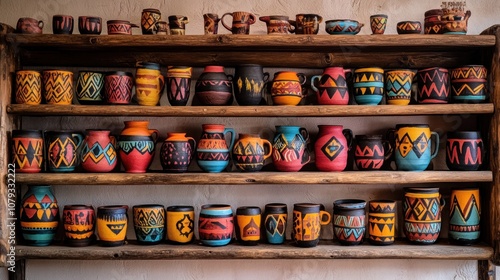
{"x":411,"y":146}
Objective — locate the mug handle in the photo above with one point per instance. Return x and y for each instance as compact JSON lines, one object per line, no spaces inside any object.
{"x":313,"y":79}
{"x":223,"y":23}
{"x":252,"y":18}
{"x":270,"y":148}
{"x":161,"y":79}
{"x":320,"y":19}
{"x":185,"y":20}
{"x":265,"y":77}
{"x":155,"y":134}
{"x":322,"y":214}
{"x":348,"y":136}
{"x":303,"y":77}
{"x":192,"y":142}
{"x":79,"y":139}
{"x":436,"y":137}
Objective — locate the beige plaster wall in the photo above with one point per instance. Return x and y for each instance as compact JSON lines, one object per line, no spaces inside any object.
{"x":484,"y":14}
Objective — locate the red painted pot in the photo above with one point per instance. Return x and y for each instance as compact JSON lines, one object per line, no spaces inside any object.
{"x":332,"y":147}
{"x":79,"y":224}
{"x":136,"y":146}
{"x":290,"y":151}
{"x":332,"y":87}
{"x":98,"y":152}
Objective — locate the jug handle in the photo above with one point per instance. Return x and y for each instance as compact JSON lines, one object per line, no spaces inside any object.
{"x":303,"y":132}
{"x":442,"y":202}
{"x":192,"y":142}
{"x":154,"y":133}
{"x":436,"y":136}
{"x":348,"y":136}
{"x":231,"y":142}
{"x":79,"y":139}
{"x":162,"y":83}
{"x":270,"y":148}
{"x":313,"y":79}
{"x":303,"y":77}
{"x":252,"y":18}
{"x":223,"y":23}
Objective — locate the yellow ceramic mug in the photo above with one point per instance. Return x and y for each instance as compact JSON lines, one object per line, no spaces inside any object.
{"x":180,"y":224}
{"x":58,"y":86}
{"x":149,"y":84}
{"x":28,"y":87}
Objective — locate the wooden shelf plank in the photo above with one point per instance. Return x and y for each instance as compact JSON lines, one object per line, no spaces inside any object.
{"x":236,"y":178}
{"x":249,"y":111}
{"x":325,"y":250}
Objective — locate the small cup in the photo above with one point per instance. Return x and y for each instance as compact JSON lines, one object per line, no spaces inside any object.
{"x":307,"y":23}
{"x":28,"y":87}
{"x":89,"y":87}
{"x":177,"y":24}
{"x":465,"y":216}
{"x":307,"y":221}
{"x":398,"y":85}
{"x":149,"y":18}
{"x":58,"y":87}
{"x":368,"y":85}
{"x":27,"y":150}
{"x":275,"y":220}
{"x":149,"y":223}
{"x":381,"y":222}
{"x":112,"y":223}
{"x":248,"y":225}
{"x":469,"y":84}
{"x":89,"y":25}
{"x":79,"y":225}
{"x":28,"y":25}
{"x":180,"y":224}
{"x":120,"y":27}
{"x":211,"y":23}
{"x":378,"y":24}
{"x":409,"y":27}
{"x":241,"y":22}
{"x":371,"y":151}
{"x":118,"y":87}
{"x":62,"y":24}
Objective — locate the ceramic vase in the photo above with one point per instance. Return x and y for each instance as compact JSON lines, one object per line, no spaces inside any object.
{"x":177,"y":152}
{"x":307,"y":221}
{"x":368,"y":85}
{"x":290,"y":151}
{"x":247,"y":225}
{"x":371,"y":151}
{"x":433,"y":85}
{"x":332,"y":147}
{"x":79,"y":225}
{"x":286,"y":88}
{"x":98,"y":153}
{"x":214,"y":87}
{"x":275,"y":221}
{"x":149,"y":223}
{"x":465,"y":216}
{"x":149,"y":83}
{"x":27,"y":150}
{"x":464,"y":150}
{"x":61,"y":147}
{"x":216,"y":224}
{"x":39,"y":215}
{"x":249,"y":152}
{"x":414,"y":145}
{"x":180,"y":224}
{"x":212,"y":151}
{"x":398,"y":86}
{"x":332,"y":87}
{"x":469,"y":84}
{"x":178,"y":85}
{"x":249,"y":81}
{"x":381,"y":222}
{"x":349,"y":220}
{"x":136,"y":145}
{"x":112,"y":222}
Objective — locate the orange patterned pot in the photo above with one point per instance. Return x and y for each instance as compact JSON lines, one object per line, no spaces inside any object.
{"x":287,"y":88}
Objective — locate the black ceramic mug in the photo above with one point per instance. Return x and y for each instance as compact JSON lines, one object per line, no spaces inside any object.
{"x":464,"y":150}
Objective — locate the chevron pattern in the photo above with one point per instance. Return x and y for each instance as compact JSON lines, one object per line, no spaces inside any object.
{"x":349,"y":228}
{"x":62,"y":153}
{"x":433,"y":85}
{"x":89,"y":86}
{"x":118,"y":89}
{"x":473,"y":72}
{"x":58,"y":87}
{"x":28,"y":87}
{"x":466,"y":88}
{"x":96,"y":153}
{"x":28,"y":154}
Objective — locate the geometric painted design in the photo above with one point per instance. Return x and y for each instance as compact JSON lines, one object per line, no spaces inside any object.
{"x":275,"y":224}
{"x":116,"y":228}
{"x":349,"y":228}
{"x":96,"y":153}
{"x":378,"y":24}
{"x":62,"y":153}
{"x":31,"y":156}
{"x":89,"y":86}
{"x":143,"y":147}
{"x":178,"y":89}
{"x":405,"y":145}
{"x":185,"y":226}
{"x":28,"y":88}
{"x":332,"y":148}
{"x":58,"y":87}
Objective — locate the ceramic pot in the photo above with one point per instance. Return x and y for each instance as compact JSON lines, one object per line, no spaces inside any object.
{"x":28,"y":87}
{"x":180,"y":224}
{"x":371,"y":151}
{"x":290,"y":151}
{"x":454,"y":24}
{"x":216,"y":224}
{"x":378,"y":24}
{"x":241,"y":22}
{"x":381,"y":222}
{"x":62,"y":150}
{"x":62,"y":24}
{"x":464,"y":150}
{"x":58,"y":87}
{"x":112,"y":222}
{"x":149,"y":223}
{"x":433,"y":85}
{"x":332,"y":147}
{"x":149,"y":83}
{"x":28,"y":25}
{"x":178,"y":85}
{"x":343,"y":27}
{"x":79,"y":224}
{"x":249,"y":81}
{"x":398,"y":86}
{"x":248,"y":225}
{"x":149,"y":18}
{"x":432,"y":23}
{"x":349,"y":221}
{"x":278,"y":24}
{"x":307,"y":221}
{"x":118,"y":87}
{"x":465,"y":216}
{"x":368,"y":85}
{"x":211,"y":23}
{"x":27,"y":150}
{"x":212,"y":151}
{"x":469,"y":84}
{"x":422,"y":214}
{"x":286,"y":88}
{"x":89,"y":87}
{"x":98,"y":153}
{"x":307,"y":23}
{"x":214,"y":87}
{"x":332,"y":87}
{"x":409,"y":27}
{"x":120,"y":27}
{"x":177,"y":152}
{"x":136,"y":145}
{"x":39,"y":215}
{"x":177,"y":24}
{"x":89,"y":25}
{"x":275,"y":220}
{"x":249,"y":152}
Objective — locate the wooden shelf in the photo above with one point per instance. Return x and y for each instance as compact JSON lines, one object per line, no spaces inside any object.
{"x":237,"y":178}
{"x":325,"y":250}
{"x":249,"y":111}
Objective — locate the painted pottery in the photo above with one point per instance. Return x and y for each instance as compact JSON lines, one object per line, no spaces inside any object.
{"x":89,"y":87}
{"x":28,"y":87}
{"x":332,"y":86}
{"x":211,"y":23}
{"x":241,"y":22}
{"x":149,"y":83}
{"x":98,"y":153}
{"x":453,"y":24}
{"x":120,"y":27}
{"x":378,"y":24}
{"x":307,"y":23}
{"x":368,"y":85}
{"x":214,"y":87}
{"x":409,"y":27}
{"x":177,"y":24}
{"x":39,"y":215}
{"x":332,"y":147}
{"x":62,"y":24}
{"x":287,"y":88}
{"x":212,"y":151}
{"x":275,"y":220}
{"x":464,"y":150}
{"x":432,"y":23}
{"x":371,"y":151}
{"x":136,"y":145}
{"x":118,"y":87}
{"x":413,"y":146}
{"x":178,"y":85}
{"x":61,"y":147}
{"x":398,"y":86}
{"x":465,"y":216}
{"x":215,"y":224}
{"x":89,"y":25}
{"x":180,"y":224}
{"x":278,"y":24}
{"x":27,"y":150}
{"x":290,"y":151}
{"x":162,"y":28}
{"x":381,"y":222}
{"x":343,"y":27}
{"x":112,"y":222}
{"x":58,"y":87}
{"x":79,"y":224}
{"x":28,"y":25}
{"x":469,"y":84}
{"x":249,"y":152}
{"x":247,"y":225}
{"x":433,"y":85}
{"x":349,"y":221}
{"x":307,"y":221}
{"x":177,"y":151}
{"x":422,"y":214}
{"x":149,"y":18}
{"x":149,"y":223}
{"x":249,"y":81}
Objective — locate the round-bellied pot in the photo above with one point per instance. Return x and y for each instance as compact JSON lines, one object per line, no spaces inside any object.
{"x":290,"y":151}
{"x":177,"y":152}
{"x":98,"y":153}
{"x":249,"y":152}
{"x":332,"y":86}
{"x":216,"y":224}
{"x":275,"y":220}
{"x":137,"y":146}
{"x":381,"y":222}
{"x":212,"y":151}
{"x":464,"y":150}
{"x":149,"y":223}
{"x":112,"y":221}
{"x":465,"y":216}
{"x":368,"y":85}
{"x":332,"y":147}
{"x":248,"y":225}
{"x":27,"y":150}
{"x":249,"y":81}
{"x":214,"y":87}
{"x":79,"y":225}
{"x":349,"y":217}
{"x":286,"y":88}
{"x":409,"y":27}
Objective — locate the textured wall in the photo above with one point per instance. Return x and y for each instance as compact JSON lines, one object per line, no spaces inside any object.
{"x":484,"y":14}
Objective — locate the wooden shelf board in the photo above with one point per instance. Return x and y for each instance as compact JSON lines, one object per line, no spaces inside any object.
{"x":237,"y":178}
{"x":325,"y":250}
{"x":248,"y":111}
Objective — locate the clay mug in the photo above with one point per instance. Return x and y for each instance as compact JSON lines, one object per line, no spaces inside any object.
{"x":120,"y":27}
{"x":214,"y":87}
{"x":248,"y":224}
{"x":177,"y":152}
{"x":211,"y":23}
{"x":290,"y":151}
{"x":28,"y":25}
{"x":249,"y":152}
{"x":307,"y":221}
{"x":149,"y":18}
{"x":162,"y":28}
{"x":62,"y":24}
{"x":177,"y":24}
{"x":275,"y":221}
{"x":89,"y":87}
{"x":465,"y":150}
{"x":398,"y":86}
{"x":149,"y":83}
{"x":432,"y":22}
{"x":136,"y":145}
{"x":98,"y":153}
{"x":180,"y":224}
{"x":112,"y":222}
{"x":368,"y":85}
{"x":118,"y":87}
{"x":332,"y":86}
{"x":62,"y":150}
{"x":212,"y":151}
{"x":179,"y":85}
{"x":433,"y":85}
{"x":381,"y":222}
{"x":378,"y":24}
{"x":58,"y":87}
{"x":371,"y":151}
{"x":89,"y":25}
{"x":27,"y":150}
{"x":278,"y":24}
{"x":248,"y":82}
{"x":287,"y":88}
{"x":79,"y":225}
{"x":465,"y":216}
{"x":149,"y":223}
{"x":216,"y":224}
{"x":241,"y":22}
{"x":349,"y":220}
{"x":469,"y":84}
{"x":332,"y":147}
{"x":307,"y":23}
{"x":28,"y":87}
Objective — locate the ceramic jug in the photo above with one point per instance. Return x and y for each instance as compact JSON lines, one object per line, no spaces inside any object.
{"x":332,"y":147}
{"x":212,"y":151}
{"x":287,"y":88}
{"x":177,"y":152}
{"x":98,"y":152}
{"x":290,"y":151}
{"x":136,"y":145}
{"x":332,"y":86}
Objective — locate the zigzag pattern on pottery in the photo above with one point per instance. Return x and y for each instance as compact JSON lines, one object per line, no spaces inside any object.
{"x":118,"y":88}
{"x":143,"y":147}
{"x":62,"y":153}
{"x":119,"y":28}
{"x":28,"y":89}
{"x":397,"y":85}
{"x":286,"y":88}
{"x":408,"y":26}
{"x":178,"y":88}
{"x":378,"y":23}
{"x":406,"y":144}
{"x":28,"y":156}
{"x":422,"y":232}
{"x":463,"y":211}
{"x":422,"y":210}
{"x":215,"y":156}
{"x":467,"y":148}
{"x":42,"y":210}
{"x":381,"y":226}
{"x":466,"y":88}
{"x":469,"y":73}
{"x":58,"y":88}
{"x":89,"y":86}
{"x":96,"y":153}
